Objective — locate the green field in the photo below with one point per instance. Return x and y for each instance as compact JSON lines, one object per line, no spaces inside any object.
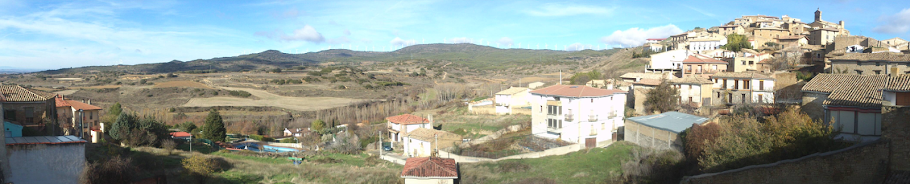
{"x":597,"y":165}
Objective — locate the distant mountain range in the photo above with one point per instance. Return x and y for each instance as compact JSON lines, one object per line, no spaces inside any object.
{"x":466,"y":55}
{"x":12,"y":70}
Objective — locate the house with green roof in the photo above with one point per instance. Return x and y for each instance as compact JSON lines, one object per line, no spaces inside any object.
{"x":660,"y":131}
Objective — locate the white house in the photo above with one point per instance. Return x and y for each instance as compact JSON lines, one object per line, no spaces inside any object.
{"x":423,"y":142}
{"x":707,"y":43}
{"x":514,"y":97}
{"x":430,"y":170}
{"x":670,"y":60}
{"x":579,"y":114}
{"x":742,"y":87}
{"x":400,"y":125}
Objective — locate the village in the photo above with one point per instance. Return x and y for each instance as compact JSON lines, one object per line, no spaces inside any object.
{"x":850,"y":93}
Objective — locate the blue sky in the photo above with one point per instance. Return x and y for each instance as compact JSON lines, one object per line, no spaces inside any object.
{"x":59,"y":34}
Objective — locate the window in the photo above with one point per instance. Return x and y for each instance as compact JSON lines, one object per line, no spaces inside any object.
{"x":760,"y":99}
{"x":745,"y":84}
{"x":30,"y":114}
{"x":735,"y":83}
{"x":751,"y":62}
{"x":9,"y":115}
{"x":725,"y":84}
{"x":761,"y":85}
{"x":718,"y":94}
{"x":877,"y":71}
{"x":690,"y":99}
{"x":744,"y":98}
{"x":690,"y":86}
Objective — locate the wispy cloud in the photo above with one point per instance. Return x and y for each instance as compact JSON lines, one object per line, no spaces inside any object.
{"x":637,"y":36}
{"x":706,"y":13}
{"x":398,"y":42}
{"x":559,"y":10}
{"x":505,"y":41}
{"x":894,"y":24}
{"x":307,"y":34}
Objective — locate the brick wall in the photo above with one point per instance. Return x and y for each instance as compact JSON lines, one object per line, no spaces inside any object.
{"x":864,"y":163}
{"x":896,"y":128}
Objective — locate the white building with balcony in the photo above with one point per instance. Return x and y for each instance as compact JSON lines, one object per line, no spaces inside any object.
{"x":575,"y":113}
{"x":399,"y":126}
{"x":667,"y":61}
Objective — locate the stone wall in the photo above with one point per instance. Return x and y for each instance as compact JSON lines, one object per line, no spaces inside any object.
{"x":812,"y":105}
{"x":896,"y":128}
{"x":868,"y":67}
{"x":863,"y":163}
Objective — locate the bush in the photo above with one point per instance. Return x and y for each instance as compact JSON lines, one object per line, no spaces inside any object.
{"x":199,"y":166}
{"x":239,"y":93}
{"x":114,"y":170}
{"x":168,"y":146}
{"x":345,"y":144}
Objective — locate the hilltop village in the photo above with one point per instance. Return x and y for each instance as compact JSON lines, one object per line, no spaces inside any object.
{"x":760,"y":99}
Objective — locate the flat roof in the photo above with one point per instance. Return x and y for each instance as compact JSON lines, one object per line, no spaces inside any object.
{"x":69,"y":139}
{"x":673,"y":121}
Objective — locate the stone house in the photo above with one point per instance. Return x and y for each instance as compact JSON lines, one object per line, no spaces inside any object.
{"x":871,"y":63}
{"x":639,"y":91}
{"x":748,"y":60}
{"x":660,"y":131}
{"x":822,"y":36}
{"x":851,"y":102}
{"x":694,"y":91}
{"x":74,"y":114}
{"x":430,"y":170}
{"x":742,"y":87}
{"x":731,"y":29}
{"x":701,"y":66}
{"x":894,"y":41}
{"x":27,"y":107}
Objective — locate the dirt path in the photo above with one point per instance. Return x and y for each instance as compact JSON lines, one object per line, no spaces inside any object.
{"x":273,"y":100}
{"x":444,"y":73}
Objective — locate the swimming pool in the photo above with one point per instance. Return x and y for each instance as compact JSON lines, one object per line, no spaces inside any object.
{"x":265,"y":148}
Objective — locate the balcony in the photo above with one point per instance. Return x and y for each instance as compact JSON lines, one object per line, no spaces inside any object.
{"x":701,"y":71}
{"x":612,"y":115}
{"x":592,"y":118}
{"x":570,"y":117}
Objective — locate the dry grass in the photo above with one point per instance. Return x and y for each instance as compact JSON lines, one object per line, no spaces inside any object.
{"x":268,"y":99}
{"x":189,"y":84}
{"x":99,"y":87}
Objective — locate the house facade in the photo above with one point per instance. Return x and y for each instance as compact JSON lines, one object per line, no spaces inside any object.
{"x":852,"y":102}
{"x":400,"y":125}
{"x":424,"y":142}
{"x":742,"y":87}
{"x":577,"y":113}
{"x":707,"y":43}
{"x":871,"y":63}
{"x":75,"y":114}
{"x":694,"y":91}
{"x":701,"y":66}
{"x":514,"y":97}
{"x":748,"y":61}
{"x":667,"y":61}
{"x":27,"y":107}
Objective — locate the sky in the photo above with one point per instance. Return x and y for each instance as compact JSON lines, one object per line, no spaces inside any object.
{"x":60,"y":34}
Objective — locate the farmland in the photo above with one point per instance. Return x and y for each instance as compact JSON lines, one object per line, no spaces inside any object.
{"x":266,"y":98}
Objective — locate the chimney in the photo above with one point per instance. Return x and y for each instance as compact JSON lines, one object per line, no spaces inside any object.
{"x":83,"y":100}
{"x":90,"y":101}
{"x":430,"y":118}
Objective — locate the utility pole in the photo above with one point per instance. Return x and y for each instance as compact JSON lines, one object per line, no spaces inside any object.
{"x":380,"y":144}
{"x":82,"y":124}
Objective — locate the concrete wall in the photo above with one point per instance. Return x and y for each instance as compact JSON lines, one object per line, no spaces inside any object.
{"x":865,"y":163}
{"x":646,"y":136}
{"x":428,"y":181}
{"x":61,"y":163}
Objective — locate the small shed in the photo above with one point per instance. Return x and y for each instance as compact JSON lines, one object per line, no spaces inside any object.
{"x":12,"y":130}
{"x":660,"y":131}
{"x":45,"y":159}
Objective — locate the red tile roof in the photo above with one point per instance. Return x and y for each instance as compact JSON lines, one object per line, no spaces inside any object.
{"x":702,"y":59}
{"x":407,"y":119}
{"x":16,"y":93}
{"x":62,"y":102}
{"x":430,"y":167}
{"x":575,"y":91}
{"x":181,"y":134}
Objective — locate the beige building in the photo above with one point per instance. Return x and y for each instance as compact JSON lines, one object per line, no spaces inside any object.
{"x":694,"y":91}
{"x":741,"y":88}
{"x":701,"y":66}
{"x":894,"y":41}
{"x":731,"y":29}
{"x":424,"y":142}
{"x":748,"y":60}
{"x":512,"y":98}
{"x":871,"y":63}
{"x":27,"y":107}
{"x":74,"y":114}
{"x":823,"y":36}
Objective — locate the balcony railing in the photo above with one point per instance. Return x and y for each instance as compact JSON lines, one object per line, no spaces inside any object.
{"x":592,"y":118}
{"x":700,"y":71}
{"x":553,"y":130}
{"x":570,"y":117}
{"x":612,"y":115}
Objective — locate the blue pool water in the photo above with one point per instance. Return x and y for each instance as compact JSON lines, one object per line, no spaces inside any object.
{"x":265,"y":148}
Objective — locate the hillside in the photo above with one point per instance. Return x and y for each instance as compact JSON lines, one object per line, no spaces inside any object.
{"x":470,"y":56}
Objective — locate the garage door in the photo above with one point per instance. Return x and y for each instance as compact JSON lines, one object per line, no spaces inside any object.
{"x":590,"y":142}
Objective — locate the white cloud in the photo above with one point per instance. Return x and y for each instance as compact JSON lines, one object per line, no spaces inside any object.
{"x":347,"y":32}
{"x":558,"y":10}
{"x":637,"y":36}
{"x":505,"y":41}
{"x":894,"y":24}
{"x":579,"y":46}
{"x":398,"y":42}
{"x":307,"y":33}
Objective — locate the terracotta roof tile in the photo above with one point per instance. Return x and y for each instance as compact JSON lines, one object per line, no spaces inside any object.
{"x":882,"y":56}
{"x":426,"y":134}
{"x":702,"y":59}
{"x":16,"y":93}
{"x":84,"y":106}
{"x":691,"y":80}
{"x":430,"y":167}
{"x":649,"y":82}
{"x":898,"y":83}
{"x":407,"y":119}
{"x":60,"y":101}
{"x":849,"y":89}
{"x":181,"y":134}
{"x":575,"y":91}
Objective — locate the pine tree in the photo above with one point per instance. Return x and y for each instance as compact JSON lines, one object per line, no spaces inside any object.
{"x":121,"y":128}
{"x":213,"y":129}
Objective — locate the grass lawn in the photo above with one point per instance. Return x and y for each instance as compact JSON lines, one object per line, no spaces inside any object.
{"x":597,"y":165}
{"x":471,"y":125}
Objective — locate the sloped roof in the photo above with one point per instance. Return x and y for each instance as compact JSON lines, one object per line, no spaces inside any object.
{"x":407,"y":119}
{"x":849,"y":89}
{"x":181,"y":134}
{"x":511,"y":91}
{"x":16,"y":93}
{"x":672,"y":121}
{"x":575,"y":91}
{"x":430,"y":167}
{"x":898,"y":83}
{"x":649,"y":82}
{"x":426,"y":134}
{"x":882,"y":56}
{"x":84,"y":106}
{"x":702,"y":59}
{"x":643,"y":75}
{"x":744,"y":75}
{"x":691,"y":80}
